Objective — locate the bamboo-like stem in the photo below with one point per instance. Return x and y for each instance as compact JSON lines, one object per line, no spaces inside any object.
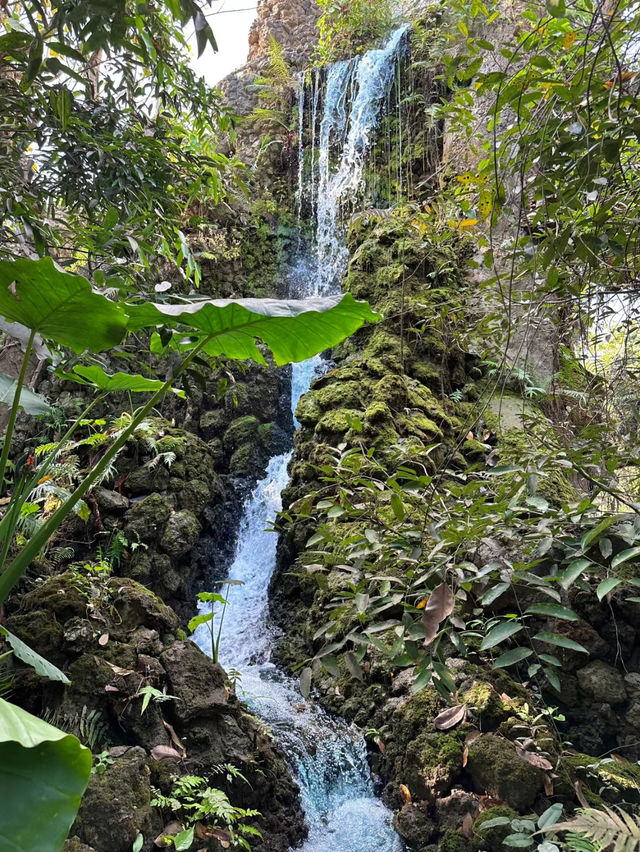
{"x":14,"y":410}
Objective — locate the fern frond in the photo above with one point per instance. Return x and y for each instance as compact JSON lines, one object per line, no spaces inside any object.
{"x":606,"y":827}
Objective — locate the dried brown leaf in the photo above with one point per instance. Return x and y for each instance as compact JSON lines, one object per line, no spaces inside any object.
{"x":467,"y":825}
{"x":406,"y":794}
{"x":175,"y":738}
{"x":579,"y":786}
{"x":438,"y":607}
{"x":119,"y":670}
{"x":162,"y":752}
{"x":102,"y":641}
{"x":450,"y":717}
{"x":534,"y":759}
{"x":548,"y":785}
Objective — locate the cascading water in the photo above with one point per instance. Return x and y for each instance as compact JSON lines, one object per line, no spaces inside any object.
{"x":327,"y":755}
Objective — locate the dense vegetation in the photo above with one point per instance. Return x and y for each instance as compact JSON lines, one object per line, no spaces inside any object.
{"x":461,"y":536}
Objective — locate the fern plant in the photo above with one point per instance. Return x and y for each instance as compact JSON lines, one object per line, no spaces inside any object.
{"x":606,"y":828}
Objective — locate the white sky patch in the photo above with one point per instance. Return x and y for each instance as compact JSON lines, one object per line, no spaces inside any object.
{"x":230,"y":21}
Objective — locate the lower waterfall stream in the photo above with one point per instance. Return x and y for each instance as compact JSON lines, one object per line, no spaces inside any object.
{"x":327,"y":755}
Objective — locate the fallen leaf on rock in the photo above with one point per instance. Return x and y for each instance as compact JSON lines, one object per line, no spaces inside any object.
{"x":438,"y":607}
{"x":161,"y":752}
{"x":580,"y":796}
{"x":111,"y":688}
{"x":406,"y":794}
{"x":467,"y":825}
{"x":102,"y":641}
{"x":534,"y":759}
{"x":450,"y":717}
{"x":119,"y":670}
{"x":472,"y":736}
{"x":171,"y":829}
{"x":380,"y":745}
{"x":175,"y":738}
{"x":548,"y":785}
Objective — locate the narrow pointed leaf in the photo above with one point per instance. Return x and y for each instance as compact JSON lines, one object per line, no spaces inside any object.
{"x":510,"y":658}
{"x":607,"y":586}
{"x":499,"y":634}
{"x":554,"y":611}
{"x":41,"y":666}
{"x":625,"y":556}
{"x":560,"y":642}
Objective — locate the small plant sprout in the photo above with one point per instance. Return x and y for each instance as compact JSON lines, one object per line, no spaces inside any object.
{"x":213,"y":598}
{"x":150,"y":693}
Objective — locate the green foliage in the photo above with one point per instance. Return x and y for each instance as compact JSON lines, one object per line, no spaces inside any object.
{"x":606,"y":828}
{"x":193,"y":801}
{"x":346,"y":28}
{"x":54,"y":771}
{"x":110,"y":135}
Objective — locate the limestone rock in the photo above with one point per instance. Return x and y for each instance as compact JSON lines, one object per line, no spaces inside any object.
{"x":496,"y":769}
{"x":414,"y":826}
{"x":111,"y":501}
{"x":195,"y":679}
{"x":117,"y":805}
{"x":181,"y":533}
{"x":146,"y":519}
{"x":602,"y":682}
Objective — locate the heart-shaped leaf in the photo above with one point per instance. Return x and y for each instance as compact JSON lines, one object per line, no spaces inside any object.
{"x":293,"y":330}
{"x":60,"y":306}
{"x":43,"y":774}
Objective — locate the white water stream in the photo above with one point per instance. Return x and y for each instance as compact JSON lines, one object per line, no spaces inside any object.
{"x":327,"y":755}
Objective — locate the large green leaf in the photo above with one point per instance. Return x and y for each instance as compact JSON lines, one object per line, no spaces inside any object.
{"x":96,"y":377}
{"x":29,"y":401}
{"x":294,"y":330}
{"x":60,"y":306}
{"x":23,"y":652}
{"x":43,"y":774}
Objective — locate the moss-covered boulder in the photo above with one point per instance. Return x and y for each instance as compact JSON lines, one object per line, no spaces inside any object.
{"x":492,"y":838}
{"x":145,"y":521}
{"x":195,"y":679}
{"x":495,"y":768}
{"x":117,"y":804}
{"x":431,"y":763}
{"x":180,"y":534}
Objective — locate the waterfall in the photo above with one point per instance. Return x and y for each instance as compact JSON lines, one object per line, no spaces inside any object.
{"x":327,"y":755}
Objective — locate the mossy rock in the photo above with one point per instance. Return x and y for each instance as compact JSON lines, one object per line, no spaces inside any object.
{"x":415,"y":715}
{"x":308,"y":411}
{"x":491,"y":839}
{"x":486,"y":704}
{"x":145,"y":520}
{"x":181,"y":533}
{"x":336,"y":422}
{"x":431,"y":763}
{"x":454,"y":841}
{"x":496,"y":769}
{"x":607,"y":779}
{"x":415,"y":826}
{"x":138,"y":607}
{"x":241,"y":431}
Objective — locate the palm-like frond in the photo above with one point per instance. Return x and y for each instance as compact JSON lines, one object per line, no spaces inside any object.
{"x":606,"y":827}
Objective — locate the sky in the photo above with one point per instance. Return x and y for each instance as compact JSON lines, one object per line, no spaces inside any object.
{"x":230,"y":21}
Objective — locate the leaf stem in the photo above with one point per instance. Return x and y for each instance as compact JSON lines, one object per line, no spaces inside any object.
{"x":14,"y":409}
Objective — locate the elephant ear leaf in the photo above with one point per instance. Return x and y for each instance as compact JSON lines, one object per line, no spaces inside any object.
{"x":29,"y":401}
{"x":43,"y":774}
{"x":293,"y":329}
{"x":61,"y":307}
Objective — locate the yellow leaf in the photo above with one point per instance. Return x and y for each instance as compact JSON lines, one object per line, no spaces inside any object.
{"x":485,"y":204}
{"x":466,"y":178}
{"x":569,"y":40}
{"x":467,"y":223}
{"x":422,"y":603}
{"x":52,"y":503}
